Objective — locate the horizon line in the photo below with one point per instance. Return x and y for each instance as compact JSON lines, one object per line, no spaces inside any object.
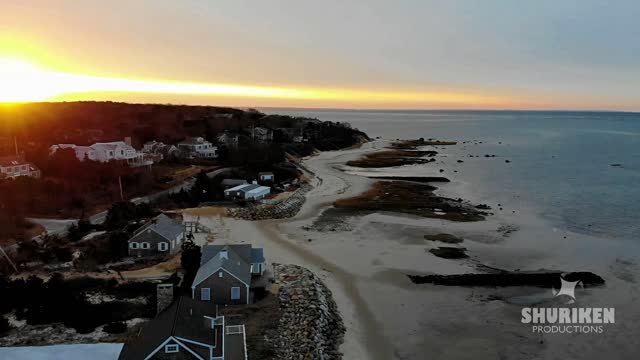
{"x":330,"y":108}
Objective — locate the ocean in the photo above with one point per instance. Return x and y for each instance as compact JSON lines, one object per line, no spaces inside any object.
{"x":578,"y":170}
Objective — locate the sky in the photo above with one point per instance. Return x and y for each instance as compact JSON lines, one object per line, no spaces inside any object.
{"x":403,"y":54}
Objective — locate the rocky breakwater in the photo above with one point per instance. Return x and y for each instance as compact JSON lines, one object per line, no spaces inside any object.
{"x":310,"y":324}
{"x":282,"y":210}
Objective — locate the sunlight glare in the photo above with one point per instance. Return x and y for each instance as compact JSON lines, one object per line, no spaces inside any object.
{"x":23,"y":82}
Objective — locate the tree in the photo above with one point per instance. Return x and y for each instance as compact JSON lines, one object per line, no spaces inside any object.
{"x":201,"y":190}
{"x":118,"y":244}
{"x":190,"y":260}
{"x":4,"y":326}
{"x":119,"y":215}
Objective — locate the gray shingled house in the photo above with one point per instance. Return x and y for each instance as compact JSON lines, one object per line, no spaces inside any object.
{"x":159,"y":237}
{"x":225,"y":273}
{"x":187,"y":329}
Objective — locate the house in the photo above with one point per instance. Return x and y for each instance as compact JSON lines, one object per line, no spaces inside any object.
{"x":105,"y":152}
{"x":225,"y":273}
{"x":160,"y":150}
{"x":247,"y":192}
{"x":15,"y":166}
{"x":198,"y":147}
{"x":229,"y":183}
{"x":262,"y":134}
{"x":187,"y":329}
{"x":158,"y":237}
{"x":266,"y":177}
{"x":228,"y":139}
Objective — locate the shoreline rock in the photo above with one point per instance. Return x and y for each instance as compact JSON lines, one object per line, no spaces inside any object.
{"x":310,"y":324}
{"x":509,"y":278}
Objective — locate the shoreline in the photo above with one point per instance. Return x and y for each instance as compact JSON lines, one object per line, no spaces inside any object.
{"x":365,"y":264}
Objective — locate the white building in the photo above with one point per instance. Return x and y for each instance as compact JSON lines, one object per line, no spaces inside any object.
{"x":198,"y":147}
{"x":15,"y":166}
{"x":105,"y":152}
{"x":247,"y":192}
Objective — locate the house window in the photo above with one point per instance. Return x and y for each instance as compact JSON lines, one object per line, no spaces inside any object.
{"x":205,"y":294}
{"x":163,"y":246}
{"x":134,"y":245}
{"x":171,"y":348}
{"x":146,"y":245}
{"x":220,"y":274}
{"x":235,"y":293}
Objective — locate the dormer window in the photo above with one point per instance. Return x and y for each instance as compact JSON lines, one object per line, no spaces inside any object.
{"x":224,"y":254}
{"x":171,"y":348}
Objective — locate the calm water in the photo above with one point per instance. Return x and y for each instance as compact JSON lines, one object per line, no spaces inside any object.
{"x":561,"y":161}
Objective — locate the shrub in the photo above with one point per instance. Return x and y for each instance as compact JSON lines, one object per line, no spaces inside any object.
{"x":116,"y":327}
{"x":4,"y":326}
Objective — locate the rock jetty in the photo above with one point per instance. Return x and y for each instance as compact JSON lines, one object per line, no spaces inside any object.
{"x":310,"y":324}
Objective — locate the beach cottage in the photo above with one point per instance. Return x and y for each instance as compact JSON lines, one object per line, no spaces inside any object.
{"x":225,"y":273}
{"x":159,"y":237}
{"x":187,"y":330}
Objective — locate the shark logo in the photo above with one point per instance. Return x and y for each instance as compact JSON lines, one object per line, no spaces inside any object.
{"x":567,"y":290}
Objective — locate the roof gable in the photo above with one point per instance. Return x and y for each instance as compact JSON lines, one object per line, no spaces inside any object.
{"x":186,"y":323}
{"x":163,"y":226}
{"x":232,"y":263}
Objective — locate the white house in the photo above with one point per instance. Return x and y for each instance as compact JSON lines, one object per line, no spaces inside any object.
{"x":247,"y":192}
{"x":266,"y":177}
{"x":105,"y":152}
{"x":198,"y":147}
{"x":15,"y":166}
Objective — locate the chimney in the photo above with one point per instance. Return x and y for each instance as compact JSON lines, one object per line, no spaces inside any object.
{"x":127,"y":140}
{"x":165,"y":296}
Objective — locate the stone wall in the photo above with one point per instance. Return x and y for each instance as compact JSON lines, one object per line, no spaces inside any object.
{"x":310,"y":325}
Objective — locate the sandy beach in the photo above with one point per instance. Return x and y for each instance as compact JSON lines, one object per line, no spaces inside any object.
{"x":364,"y":260}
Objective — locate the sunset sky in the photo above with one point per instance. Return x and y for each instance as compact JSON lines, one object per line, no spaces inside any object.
{"x":420,"y":54}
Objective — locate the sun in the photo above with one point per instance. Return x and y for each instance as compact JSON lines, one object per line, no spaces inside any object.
{"x":21,"y":81}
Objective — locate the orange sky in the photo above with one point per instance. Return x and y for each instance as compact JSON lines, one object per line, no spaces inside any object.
{"x":251,"y":55}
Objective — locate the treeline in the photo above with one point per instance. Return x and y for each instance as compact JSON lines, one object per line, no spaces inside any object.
{"x":80,"y":122}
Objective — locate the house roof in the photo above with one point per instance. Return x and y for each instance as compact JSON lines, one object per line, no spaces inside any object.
{"x":229,"y":182}
{"x":184,"y":318}
{"x":244,"y":188}
{"x":265,"y":173}
{"x":246,"y":251}
{"x":110,"y":145}
{"x":233,"y":263}
{"x":163,"y":225}
{"x":258,"y":190}
{"x":210,"y":251}
{"x":12,"y":161}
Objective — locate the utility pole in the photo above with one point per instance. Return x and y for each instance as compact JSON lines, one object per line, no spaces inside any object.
{"x":120,"y":183}
{"x":9,"y":259}
{"x":15,"y":143}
